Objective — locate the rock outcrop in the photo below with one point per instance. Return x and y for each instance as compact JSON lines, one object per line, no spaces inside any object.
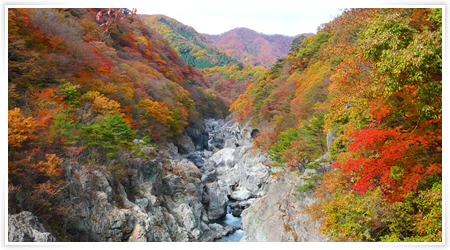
{"x":25,"y":227}
{"x":217,"y":201}
{"x":240,"y":164}
{"x":330,"y":138}
{"x":214,"y":129}
{"x":155,"y":200}
{"x":279,"y":216}
{"x":166,"y":196}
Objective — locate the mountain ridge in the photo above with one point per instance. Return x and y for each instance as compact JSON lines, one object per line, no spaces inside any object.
{"x":252,"y":47}
{"x":191,"y":45}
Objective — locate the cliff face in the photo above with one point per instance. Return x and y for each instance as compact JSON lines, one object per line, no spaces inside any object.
{"x":161,"y":201}
{"x":279,"y":216}
{"x":159,"y":198}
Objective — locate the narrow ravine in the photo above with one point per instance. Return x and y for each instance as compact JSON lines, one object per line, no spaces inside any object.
{"x":233,"y":221}
{"x":233,"y":172}
{"x":214,"y":127}
{"x":229,"y":221}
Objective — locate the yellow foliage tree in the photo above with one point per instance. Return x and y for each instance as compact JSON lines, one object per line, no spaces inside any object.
{"x":20,"y":128}
{"x":156,"y":110}
{"x":101,"y":104}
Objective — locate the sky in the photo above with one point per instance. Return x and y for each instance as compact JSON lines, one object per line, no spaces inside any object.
{"x":285,"y":17}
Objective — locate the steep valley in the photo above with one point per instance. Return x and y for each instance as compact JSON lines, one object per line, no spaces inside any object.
{"x":135,"y":128}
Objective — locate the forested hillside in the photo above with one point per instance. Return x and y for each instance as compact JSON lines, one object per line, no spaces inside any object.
{"x":228,"y":76}
{"x":82,"y":89}
{"x":251,"y":47}
{"x":371,"y":80}
{"x":232,"y":81}
{"x":109,"y":137}
{"x":195,"y":49}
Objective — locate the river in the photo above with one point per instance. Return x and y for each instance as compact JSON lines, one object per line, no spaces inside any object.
{"x":230,"y":220}
{"x":214,"y":128}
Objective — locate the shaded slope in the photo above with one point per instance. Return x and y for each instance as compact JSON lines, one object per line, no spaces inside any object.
{"x":195,"y":49}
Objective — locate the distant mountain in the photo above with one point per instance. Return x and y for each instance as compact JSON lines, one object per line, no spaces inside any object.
{"x":195,"y":49}
{"x":253,"y":48}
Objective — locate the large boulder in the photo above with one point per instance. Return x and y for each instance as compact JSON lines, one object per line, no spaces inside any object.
{"x":25,"y":227}
{"x":223,"y":157}
{"x":217,"y":201}
{"x":241,"y":195}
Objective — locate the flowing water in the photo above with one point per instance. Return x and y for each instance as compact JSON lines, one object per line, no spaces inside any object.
{"x":230,"y":220}
{"x":213,"y":127}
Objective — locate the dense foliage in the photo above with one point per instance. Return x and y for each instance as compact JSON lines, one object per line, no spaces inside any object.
{"x":84,"y":83}
{"x":195,"y":49}
{"x":232,"y":81}
{"x":371,"y":78}
{"x":82,"y":86}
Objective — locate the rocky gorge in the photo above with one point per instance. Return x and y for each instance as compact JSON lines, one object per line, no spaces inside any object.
{"x":170,"y":194}
{"x":184,"y":193}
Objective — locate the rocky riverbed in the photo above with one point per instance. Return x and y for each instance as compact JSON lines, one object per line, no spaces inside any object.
{"x":172,"y":193}
{"x":197,"y":190}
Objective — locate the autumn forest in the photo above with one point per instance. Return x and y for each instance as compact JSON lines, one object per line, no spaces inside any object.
{"x":84,"y":84}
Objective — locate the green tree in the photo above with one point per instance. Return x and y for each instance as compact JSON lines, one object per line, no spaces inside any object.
{"x":108,"y":135}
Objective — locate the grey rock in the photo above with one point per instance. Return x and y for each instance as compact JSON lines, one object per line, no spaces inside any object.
{"x":169,"y":151}
{"x":165,"y":205}
{"x":218,"y":201}
{"x":219,"y":231}
{"x":246,"y":203}
{"x":231,"y":143}
{"x":238,"y":207}
{"x":138,"y":141}
{"x":283,"y":207}
{"x":223,"y":157}
{"x":330,"y":138}
{"x":195,"y":158}
{"x":223,"y":185}
{"x":199,"y":136}
{"x":25,"y":227}
{"x":236,"y":212}
{"x":241,"y":195}
{"x":149,"y":151}
{"x":209,"y":176}
{"x":215,"y":138}
{"x":240,"y":164}
{"x":185,"y":145}
{"x":230,"y":229}
{"x":206,"y":153}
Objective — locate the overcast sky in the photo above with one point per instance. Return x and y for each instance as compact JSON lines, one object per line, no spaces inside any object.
{"x":286,"y":17}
